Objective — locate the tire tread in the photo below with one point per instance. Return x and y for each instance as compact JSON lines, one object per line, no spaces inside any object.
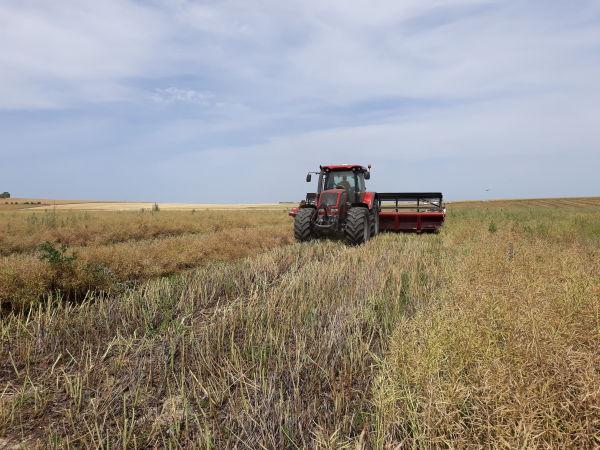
{"x":302,"y":225}
{"x":355,"y":223}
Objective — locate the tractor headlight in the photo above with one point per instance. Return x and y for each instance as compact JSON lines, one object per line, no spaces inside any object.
{"x":333,"y":210}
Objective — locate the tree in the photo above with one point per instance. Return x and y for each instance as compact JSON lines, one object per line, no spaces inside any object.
{"x":5,"y":195}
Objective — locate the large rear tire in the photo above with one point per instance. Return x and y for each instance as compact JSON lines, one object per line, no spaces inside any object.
{"x":358,"y":229}
{"x":303,"y":224}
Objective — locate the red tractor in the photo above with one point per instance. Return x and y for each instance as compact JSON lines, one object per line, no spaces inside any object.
{"x":342,"y":207}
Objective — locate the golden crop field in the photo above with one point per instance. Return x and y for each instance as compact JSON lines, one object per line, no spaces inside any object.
{"x":212,"y":329}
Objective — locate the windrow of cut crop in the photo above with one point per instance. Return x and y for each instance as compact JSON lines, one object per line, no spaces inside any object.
{"x":73,"y":273}
{"x":23,"y":232}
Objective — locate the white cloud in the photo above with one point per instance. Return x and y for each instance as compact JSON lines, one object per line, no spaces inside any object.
{"x":269,"y":83}
{"x":67,"y":52}
{"x":173,"y":94}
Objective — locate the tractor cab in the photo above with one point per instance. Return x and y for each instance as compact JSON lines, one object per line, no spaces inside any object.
{"x":349,"y":177}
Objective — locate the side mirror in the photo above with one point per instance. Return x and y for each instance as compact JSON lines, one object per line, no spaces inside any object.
{"x":308,"y":178}
{"x":367,"y":175}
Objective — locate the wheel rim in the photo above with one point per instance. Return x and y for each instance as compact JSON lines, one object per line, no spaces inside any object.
{"x":366,"y":230}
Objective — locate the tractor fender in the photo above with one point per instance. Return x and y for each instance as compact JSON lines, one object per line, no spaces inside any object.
{"x":368,"y":200}
{"x":294,"y":211}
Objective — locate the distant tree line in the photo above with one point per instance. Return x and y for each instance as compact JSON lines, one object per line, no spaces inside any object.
{"x":5,"y":195}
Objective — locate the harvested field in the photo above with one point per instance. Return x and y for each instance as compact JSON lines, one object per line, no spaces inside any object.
{"x":575,"y":202}
{"x":79,"y":205}
{"x":486,"y":334}
{"x":137,"y":206}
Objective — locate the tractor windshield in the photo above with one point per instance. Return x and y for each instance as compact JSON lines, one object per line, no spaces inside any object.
{"x":352,"y":182}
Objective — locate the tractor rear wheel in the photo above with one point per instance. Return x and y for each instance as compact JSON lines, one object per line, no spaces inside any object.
{"x":357,"y":230}
{"x":303,"y":224}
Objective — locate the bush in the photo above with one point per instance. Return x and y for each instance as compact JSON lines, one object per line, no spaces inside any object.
{"x":62,"y":265}
{"x":5,"y":195}
{"x":56,"y":257}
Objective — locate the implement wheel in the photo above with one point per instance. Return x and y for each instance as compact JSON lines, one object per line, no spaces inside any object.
{"x":303,"y":224}
{"x":358,"y":229}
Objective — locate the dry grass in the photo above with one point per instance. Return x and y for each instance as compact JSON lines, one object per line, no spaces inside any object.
{"x":508,"y":351}
{"x":486,"y":334}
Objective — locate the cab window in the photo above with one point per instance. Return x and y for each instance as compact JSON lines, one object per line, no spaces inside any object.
{"x":340,"y":179}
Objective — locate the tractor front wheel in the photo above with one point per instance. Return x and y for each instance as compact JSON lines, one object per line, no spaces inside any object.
{"x":357,"y":230}
{"x":303,"y":224}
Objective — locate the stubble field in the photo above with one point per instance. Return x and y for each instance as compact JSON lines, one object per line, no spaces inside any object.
{"x":212,"y":329}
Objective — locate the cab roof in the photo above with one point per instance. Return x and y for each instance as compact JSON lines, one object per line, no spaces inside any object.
{"x":344,"y":167}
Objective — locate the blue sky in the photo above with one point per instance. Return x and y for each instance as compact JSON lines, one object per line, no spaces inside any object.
{"x":234,"y":101}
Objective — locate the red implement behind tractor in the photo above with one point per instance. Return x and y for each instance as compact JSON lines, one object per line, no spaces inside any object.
{"x":342,"y":207}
